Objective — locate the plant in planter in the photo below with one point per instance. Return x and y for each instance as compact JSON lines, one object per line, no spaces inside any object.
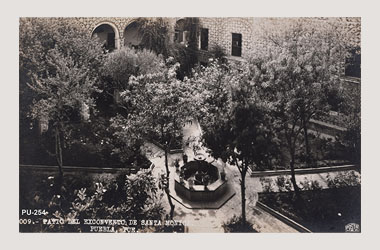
{"x":223,"y":175}
{"x":181,"y":179}
{"x":176,"y":164}
{"x":191,"y":182}
{"x":206,"y":179}
{"x":236,"y":224}
{"x":185,"y":158}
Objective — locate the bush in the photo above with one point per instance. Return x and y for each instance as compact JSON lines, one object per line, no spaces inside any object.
{"x":217,"y":53}
{"x":186,"y":57}
{"x":343,"y":179}
{"x":266,"y":184}
{"x":236,"y":225}
{"x":284,"y":184}
{"x":121,"y":64}
{"x":309,"y":185}
{"x":133,"y":197}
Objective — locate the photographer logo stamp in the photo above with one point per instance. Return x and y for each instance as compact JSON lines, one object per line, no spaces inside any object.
{"x":352,"y":228}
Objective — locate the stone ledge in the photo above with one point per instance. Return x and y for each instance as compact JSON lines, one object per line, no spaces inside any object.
{"x":76,"y":169}
{"x":283,"y":218}
{"x":303,"y":171}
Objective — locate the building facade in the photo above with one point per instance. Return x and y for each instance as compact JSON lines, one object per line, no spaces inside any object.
{"x":237,"y":36}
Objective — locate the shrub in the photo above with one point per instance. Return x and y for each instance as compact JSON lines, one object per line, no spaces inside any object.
{"x":236,"y":225}
{"x":343,"y":179}
{"x":217,"y":53}
{"x":186,"y":57}
{"x":267,"y":184}
{"x":284,"y":184}
{"x":121,"y":64}
{"x":134,"y":197}
{"x":309,"y":185}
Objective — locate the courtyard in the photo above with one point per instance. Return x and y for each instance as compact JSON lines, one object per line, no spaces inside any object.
{"x":161,"y":125}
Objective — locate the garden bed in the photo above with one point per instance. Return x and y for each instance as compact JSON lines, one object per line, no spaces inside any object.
{"x":33,"y":153}
{"x":88,"y":195}
{"x":327,"y":210}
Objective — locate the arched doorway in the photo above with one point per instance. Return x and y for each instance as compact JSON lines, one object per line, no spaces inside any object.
{"x":108,"y":35}
{"x":132,"y":37}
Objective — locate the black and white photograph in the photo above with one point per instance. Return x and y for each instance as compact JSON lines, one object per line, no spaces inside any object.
{"x":190,"y":124}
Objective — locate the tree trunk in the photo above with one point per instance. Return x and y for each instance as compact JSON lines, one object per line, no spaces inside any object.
{"x":167,"y":190}
{"x":58,"y":150}
{"x":58,"y":154}
{"x":167,"y":161}
{"x":293,"y":174}
{"x":242,"y":185}
{"x":307,"y":145}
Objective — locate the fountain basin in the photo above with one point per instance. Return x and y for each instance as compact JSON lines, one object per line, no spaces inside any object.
{"x":200,"y":181}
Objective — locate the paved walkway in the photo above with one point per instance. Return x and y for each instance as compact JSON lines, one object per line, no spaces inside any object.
{"x":211,"y":220}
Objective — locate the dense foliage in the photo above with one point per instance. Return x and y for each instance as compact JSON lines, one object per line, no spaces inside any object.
{"x":237,"y":225}
{"x":300,"y":66}
{"x":59,"y":63}
{"x":121,"y":64}
{"x":159,"y":105}
{"x":320,"y":210}
{"x":131,"y":197}
{"x":154,"y":35}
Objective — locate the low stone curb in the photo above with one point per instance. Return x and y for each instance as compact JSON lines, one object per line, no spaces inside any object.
{"x":86,"y":169}
{"x":283,"y":218}
{"x":171,"y":151}
{"x":303,"y":171}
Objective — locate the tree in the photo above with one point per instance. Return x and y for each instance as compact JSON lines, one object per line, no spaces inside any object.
{"x":63,"y":96}
{"x":303,"y":61}
{"x":154,"y":34}
{"x":352,"y":136}
{"x":118,"y":67}
{"x":235,"y":121}
{"x":159,"y":107}
{"x":59,"y":63}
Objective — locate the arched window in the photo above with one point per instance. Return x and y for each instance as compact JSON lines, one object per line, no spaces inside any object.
{"x":181,"y":35}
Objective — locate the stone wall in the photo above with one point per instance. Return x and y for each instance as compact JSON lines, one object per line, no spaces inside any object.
{"x":254,"y":29}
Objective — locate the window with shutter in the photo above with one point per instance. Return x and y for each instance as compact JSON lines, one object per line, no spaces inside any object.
{"x":204,"y":39}
{"x":353,"y":63}
{"x":236,"y":44}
